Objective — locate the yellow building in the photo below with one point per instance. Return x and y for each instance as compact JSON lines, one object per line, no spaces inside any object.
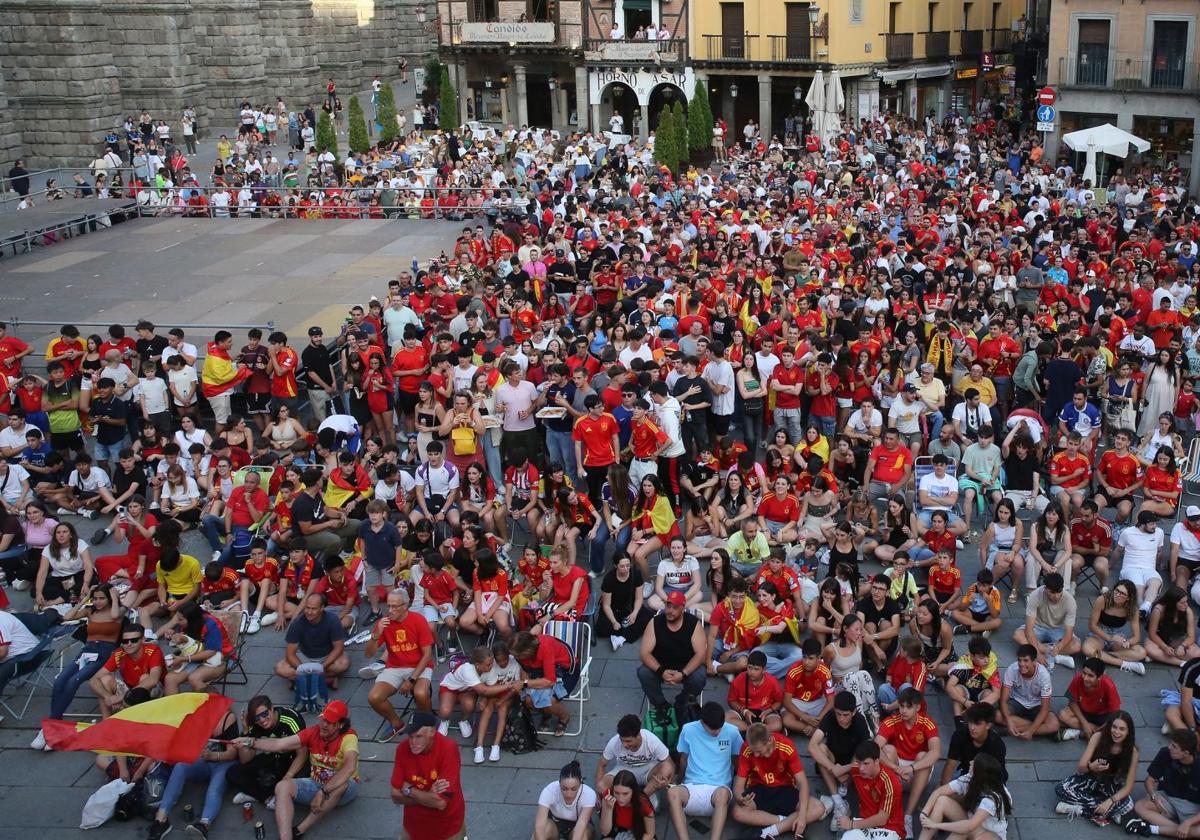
{"x":909,"y":56}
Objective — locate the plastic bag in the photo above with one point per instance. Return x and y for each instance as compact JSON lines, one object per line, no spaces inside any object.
{"x":100,"y":805}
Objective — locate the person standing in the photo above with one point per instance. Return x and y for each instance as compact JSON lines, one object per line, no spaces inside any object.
{"x":597,"y":443}
{"x":426,"y":783}
{"x":18,"y":179}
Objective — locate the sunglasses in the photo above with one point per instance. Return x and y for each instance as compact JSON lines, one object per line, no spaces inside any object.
{"x":132,"y":640}
{"x":263,"y":715}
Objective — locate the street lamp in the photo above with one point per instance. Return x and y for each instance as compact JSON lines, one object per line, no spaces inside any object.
{"x":733,"y":90}
{"x":553,"y":83}
{"x":797,"y":93}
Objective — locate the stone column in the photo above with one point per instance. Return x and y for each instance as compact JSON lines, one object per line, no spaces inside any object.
{"x":339,"y":44}
{"x":643,"y":129}
{"x":764,"y":105}
{"x":588,"y":119}
{"x":157,"y":57}
{"x":458,"y":78}
{"x":1194,"y":174}
{"x":522,"y":93}
{"x":729,"y":110}
{"x":293,"y":73}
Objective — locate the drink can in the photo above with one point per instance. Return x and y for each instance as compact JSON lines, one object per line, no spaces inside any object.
{"x":247,"y":811}
{"x":260,"y":831}
{"x":187,"y":813}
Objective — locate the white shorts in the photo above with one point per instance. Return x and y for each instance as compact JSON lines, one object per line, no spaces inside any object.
{"x":1140,"y":577}
{"x":438,"y":612}
{"x":700,"y":800}
{"x":395,"y":677}
{"x":220,"y":407}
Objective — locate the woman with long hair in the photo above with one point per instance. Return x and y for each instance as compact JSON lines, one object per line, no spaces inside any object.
{"x":1171,"y":629}
{"x":565,"y":807}
{"x":1162,"y":485}
{"x":752,"y":398}
{"x":616,"y":515}
{"x":1160,"y":390}
{"x":462,"y":427}
{"x":898,"y":530}
{"x":653,"y":522}
{"x":485,"y":403}
{"x":489,"y":597}
{"x":1049,"y":548}
{"x":732,"y":505}
{"x":936,"y":637}
{"x":625,"y":811}
{"x":1000,"y":545}
{"x":717,"y":579}
{"x":1101,"y":789}
{"x":1115,"y":629}
{"x":975,"y":806}
{"x":377,"y":383}
{"x":180,"y":498}
{"x":65,"y":572}
{"x":477,"y":493}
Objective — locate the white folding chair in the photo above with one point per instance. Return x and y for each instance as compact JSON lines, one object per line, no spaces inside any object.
{"x":577,"y":636}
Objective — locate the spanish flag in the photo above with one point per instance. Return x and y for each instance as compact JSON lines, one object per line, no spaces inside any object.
{"x":339,"y":489}
{"x":219,"y":374}
{"x":173,"y":729}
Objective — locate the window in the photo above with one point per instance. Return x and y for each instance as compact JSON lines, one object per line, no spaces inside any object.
{"x":1169,"y":55}
{"x":733,"y":30}
{"x":1092,"y":65}
{"x":482,"y":11}
{"x":856,"y":11}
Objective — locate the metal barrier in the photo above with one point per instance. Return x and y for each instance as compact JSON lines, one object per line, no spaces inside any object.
{"x":65,"y":177}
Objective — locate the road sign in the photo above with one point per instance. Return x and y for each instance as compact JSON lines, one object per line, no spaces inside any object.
{"x":1045,"y":113}
{"x":1045,"y":126}
{"x":1047,"y":96}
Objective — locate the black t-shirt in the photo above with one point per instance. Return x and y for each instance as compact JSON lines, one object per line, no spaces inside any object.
{"x":147,"y":347}
{"x":307,"y":509}
{"x":122,"y":480}
{"x":1018,"y":472}
{"x":623,"y":593}
{"x":1174,"y":778}
{"x":704,"y":396}
{"x":316,"y":359}
{"x":562,"y":276}
{"x":879,"y":616}
{"x":842,"y":742}
{"x":290,"y":723}
{"x":114,"y":409}
{"x":963,"y":749}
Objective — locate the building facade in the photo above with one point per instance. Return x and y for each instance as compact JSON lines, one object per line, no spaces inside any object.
{"x":1132,"y":65}
{"x":70,"y":70}
{"x":912,"y":57}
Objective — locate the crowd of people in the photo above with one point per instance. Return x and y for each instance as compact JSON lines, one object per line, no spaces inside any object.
{"x":748,"y":419}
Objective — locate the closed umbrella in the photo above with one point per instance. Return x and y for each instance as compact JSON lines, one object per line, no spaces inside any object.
{"x":835,"y":103}
{"x":815,"y":100}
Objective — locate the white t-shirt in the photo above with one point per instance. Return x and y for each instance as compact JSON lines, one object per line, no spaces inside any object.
{"x":679,"y":576}
{"x":461,"y":678}
{"x":155,"y":392}
{"x":995,"y":824}
{"x":20,"y":641}
{"x":650,"y":752}
{"x":1189,"y":544}
{"x":863,"y":425}
{"x":721,"y":373}
{"x":1141,"y":549}
{"x":906,"y":416}
{"x":184,"y":349}
{"x":971,"y":420}
{"x":96,"y":478}
{"x":67,"y":564}
{"x":185,"y":381}
{"x":10,"y":437}
{"x":342,"y":424}
{"x":502,"y":676}
{"x":10,"y":484}
{"x":766,"y":365}
{"x":551,"y":797}
{"x":945,"y":486}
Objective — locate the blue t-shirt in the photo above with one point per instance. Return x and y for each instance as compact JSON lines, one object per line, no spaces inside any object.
{"x":1080,"y":420}
{"x":379,"y":547}
{"x":710,"y":759}
{"x":36,"y":457}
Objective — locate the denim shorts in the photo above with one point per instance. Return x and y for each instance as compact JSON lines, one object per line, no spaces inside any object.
{"x":308,"y":788}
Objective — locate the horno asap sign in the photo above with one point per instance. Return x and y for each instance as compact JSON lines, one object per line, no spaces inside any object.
{"x":643,"y":82}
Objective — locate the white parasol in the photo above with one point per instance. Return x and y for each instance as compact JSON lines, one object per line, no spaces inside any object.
{"x":815,"y":100}
{"x":835,"y":103}
{"x":1105,"y":138}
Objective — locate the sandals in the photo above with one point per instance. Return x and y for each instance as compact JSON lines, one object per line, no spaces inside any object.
{"x":560,"y":728}
{"x":1012,"y":595}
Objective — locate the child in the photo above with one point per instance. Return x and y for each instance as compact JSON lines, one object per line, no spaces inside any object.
{"x":907,"y":670}
{"x":381,"y":548}
{"x":260,"y":580}
{"x":904,"y":586}
{"x":458,"y":688}
{"x":533,"y":570}
{"x":909,"y":745}
{"x":44,"y":476}
{"x":979,"y":610}
{"x":153,"y":398}
{"x":1185,"y":411}
{"x":279,"y":527}
{"x":437,"y":591}
{"x":178,"y":577}
{"x":220,"y":583}
{"x":29,"y":396}
{"x":341,"y":594}
{"x":945,"y":580}
{"x":182,"y":381}
{"x":499,"y":684}
{"x":295,"y":582}
{"x":755,"y":696}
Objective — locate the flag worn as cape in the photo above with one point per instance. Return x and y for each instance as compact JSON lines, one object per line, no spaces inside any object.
{"x":173,"y":729}
{"x":219,"y":374}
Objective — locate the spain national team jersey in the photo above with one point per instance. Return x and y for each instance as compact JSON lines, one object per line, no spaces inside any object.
{"x":1062,"y":464}
{"x":779,"y":769}
{"x":1120,"y":471}
{"x":766,"y":695}
{"x":807,"y":686}
{"x":909,"y":741}
{"x":1161,"y":481}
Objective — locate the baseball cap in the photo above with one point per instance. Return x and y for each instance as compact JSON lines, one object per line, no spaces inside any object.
{"x":1192,"y":512}
{"x":908,"y":386}
{"x":335,"y":711}
{"x":677,"y":598}
{"x":315,"y":331}
{"x":419,"y":721}
{"x":1147,"y":516}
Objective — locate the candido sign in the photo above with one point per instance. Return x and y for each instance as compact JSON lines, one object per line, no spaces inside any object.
{"x":641,"y":81}
{"x":504,"y":33}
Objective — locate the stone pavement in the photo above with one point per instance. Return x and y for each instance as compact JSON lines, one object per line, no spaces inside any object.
{"x":501,"y":796}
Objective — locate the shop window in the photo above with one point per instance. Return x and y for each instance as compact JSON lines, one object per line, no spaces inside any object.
{"x":1170,"y":139}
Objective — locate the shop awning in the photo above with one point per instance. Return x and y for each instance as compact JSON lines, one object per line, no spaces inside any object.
{"x":933,"y":72}
{"x":929,"y":71}
{"x":892,"y":76}
{"x":638,"y":5}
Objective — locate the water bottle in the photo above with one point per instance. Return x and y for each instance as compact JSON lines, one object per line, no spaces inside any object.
{"x":414,"y":265}
{"x":1050,"y":652}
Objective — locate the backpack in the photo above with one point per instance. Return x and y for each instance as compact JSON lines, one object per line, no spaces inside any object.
{"x":312,"y":691}
{"x":520,"y":735}
{"x":664,"y":725}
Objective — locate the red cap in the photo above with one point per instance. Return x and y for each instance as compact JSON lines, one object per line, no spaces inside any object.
{"x":677,"y":598}
{"x":335,"y":711}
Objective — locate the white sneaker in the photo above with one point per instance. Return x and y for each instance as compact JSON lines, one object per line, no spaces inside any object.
{"x":88,"y":513}
{"x":243,"y":798}
{"x":270,"y":803}
{"x":479,"y":755}
{"x":371,"y":670}
{"x":444,"y":728}
{"x":268,"y":619}
{"x":1064,"y":660}
{"x":616,"y":641}
{"x":216,"y":557}
{"x":255,"y":624}
{"x":244,"y":624}
{"x":39,"y":741}
{"x":494,"y":755}
{"x":1069,"y":735}
{"x":464,"y":729}
{"x":1068,"y":810}
{"x":1134,"y":668}
{"x":151,"y":636}
{"x":1166,"y":729}
{"x":20,"y":585}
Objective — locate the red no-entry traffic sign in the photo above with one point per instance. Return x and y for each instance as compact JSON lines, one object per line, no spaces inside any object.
{"x":1047,"y":96}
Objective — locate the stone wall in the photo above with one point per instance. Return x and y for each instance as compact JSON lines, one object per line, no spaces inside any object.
{"x":70,"y":70}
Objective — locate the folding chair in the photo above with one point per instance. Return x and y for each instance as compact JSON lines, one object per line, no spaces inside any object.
{"x":577,"y":636}
{"x":235,"y":669}
{"x":383,"y":723}
{"x":1191,"y":475}
{"x":699,"y":613}
{"x":25,"y":673}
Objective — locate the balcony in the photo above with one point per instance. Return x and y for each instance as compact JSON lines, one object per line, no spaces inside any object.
{"x":1126,"y":73}
{"x":937,"y":45}
{"x":512,"y":33}
{"x":1002,"y":40}
{"x":792,"y":48}
{"x":670,"y":51}
{"x":731,"y":48}
{"x":899,"y":46}
{"x":970,"y":43}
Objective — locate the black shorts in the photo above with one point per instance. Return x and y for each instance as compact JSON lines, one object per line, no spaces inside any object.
{"x":1015,"y":708}
{"x":1113,"y":501}
{"x":258,"y":403}
{"x":62,"y":441}
{"x":1096,"y":719}
{"x":218,"y":598}
{"x":406,"y":403}
{"x":782,"y":800}
{"x":720,"y":424}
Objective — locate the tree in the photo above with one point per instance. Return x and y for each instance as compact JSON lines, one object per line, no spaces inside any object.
{"x":387,"y":113}
{"x":680,"y":124}
{"x":433,"y":82}
{"x":447,"y":102}
{"x":700,"y":119}
{"x":665,"y":153}
{"x":326,"y":136}
{"x":359,"y":140}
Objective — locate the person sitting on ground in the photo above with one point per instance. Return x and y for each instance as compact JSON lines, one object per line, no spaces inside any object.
{"x":622,"y":616}
{"x":330,"y":748}
{"x":405,"y":635}
{"x":340,"y":591}
{"x":1092,"y":697}
{"x":881,"y":806}
{"x":770,"y":789}
{"x":909,"y":744}
{"x":1172,"y":805}
{"x":807,"y":690}
{"x":137,"y":663}
{"x":978,"y":612}
{"x":1115,"y":630}
{"x":832,"y":744}
{"x":202,"y":651}
{"x":1101,"y":788}
{"x":639,"y":751}
{"x":255,"y":775}
{"x":974,"y":805}
{"x":1136,"y":552}
{"x":260,"y":581}
{"x":1050,"y":624}
{"x":976,"y":734}
{"x":755,"y":696}
{"x":974,"y":678}
{"x":1025,"y":697}
{"x":565,"y":807}
{"x":314,"y":636}
{"x":708,"y":749}
{"x":625,"y":811}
